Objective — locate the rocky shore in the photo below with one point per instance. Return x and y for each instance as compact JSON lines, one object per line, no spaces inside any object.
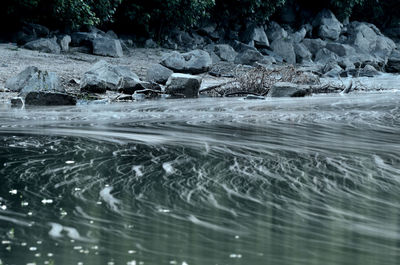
{"x":40,"y":67}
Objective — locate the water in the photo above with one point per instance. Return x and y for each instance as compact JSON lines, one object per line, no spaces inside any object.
{"x":208,"y":181}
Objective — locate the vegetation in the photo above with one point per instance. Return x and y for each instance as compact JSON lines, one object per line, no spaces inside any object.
{"x":157,"y":17}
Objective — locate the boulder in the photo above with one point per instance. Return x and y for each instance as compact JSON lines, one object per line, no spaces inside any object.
{"x":255,"y":36}
{"x":150,"y":43}
{"x":302,"y":53}
{"x":328,"y":25}
{"x":158,"y":74}
{"x":332,"y":69}
{"x":299,"y":35}
{"x":275,"y":32}
{"x":393,"y":64}
{"x":285,"y":49}
{"x":104,"y":76}
{"x":33,"y":79}
{"x":314,"y":45}
{"x":224,"y":52}
{"x":341,"y":50}
{"x":44,"y":45}
{"x":83,"y":39}
{"x":285,"y":89}
{"x":107,"y":47}
{"x":43,"y":98}
{"x":183,"y":85}
{"x":193,"y":62}
{"x":368,"y":71}
{"x":240,"y":46}
{"x":111,"y":34}
{"x":248,"y":57}
{"x":30,"y":32}
{"x":64,"y":43}
{"x":325,"y":56}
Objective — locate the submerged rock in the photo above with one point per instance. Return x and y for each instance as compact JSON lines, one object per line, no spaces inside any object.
{"x":183,"y":85}
{"x":43,"y":98}
{"x":285,"y":89}
{"x":193,"y":62}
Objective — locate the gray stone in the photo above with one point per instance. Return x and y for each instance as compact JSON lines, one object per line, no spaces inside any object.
{"x":17,"y":102}
{"x":255,"y":36}
{"x":33,"y":79}
{"x":328,"y":25}
{"x":314,"y":45}
{"x":150,"y":43}
{"x":158,"y":74}
{"x":42,"y":98}
{"x":285,"y":49}
{"x":275,"y":32}
{"x":299,"y":35}
{"x":369,"y":71}
{"x":325,"y":56}
{"x":248,"y":57}
{"x":83,"y":39}
{"x":64,"y":43}
{"x":44,"y":45}
{"x":224,"y":52}
{"x":193,"y":62}
{"x":332,"y":69}
{"x":302,"y":53}
{"x":107,"y":47}
{"x":183,"y":85}
{"x":241,"y":47}
{"x":393,"y":64}
{"x":341,"y":49}
{"x":284,"y":89}
{"x":111,"y":34}
{"x":104,"y":76}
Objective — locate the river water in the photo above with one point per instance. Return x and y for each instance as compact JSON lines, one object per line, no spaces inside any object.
{"x":208,"y":181}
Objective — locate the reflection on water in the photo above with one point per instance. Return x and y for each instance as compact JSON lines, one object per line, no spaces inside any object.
{"x":304,"y":181}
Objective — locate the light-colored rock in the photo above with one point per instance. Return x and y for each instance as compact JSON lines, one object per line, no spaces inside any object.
{"x":33,"y":79}
{"x":193,"y":62}
{"x":328,"y":25}
{"x":44,"y":45}
{"x":285,"y":49}
{"x":158,"y":74}
{"x":64,"y":43}
{"x":183,"y":85}
{"x":107,"y":47}
{"x":302,"y":53}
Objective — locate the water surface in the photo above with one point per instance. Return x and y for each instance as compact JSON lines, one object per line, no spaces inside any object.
{"x":207,"y":181}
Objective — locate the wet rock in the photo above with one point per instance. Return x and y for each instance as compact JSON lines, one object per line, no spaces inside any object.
{"x":64,"y":43}
{"x":158,"y":74}
{"x":33,"y":79}
{"x":183,"y":85}
{"x":43,"y":98}
{"x":328,"y":25}
{"x":44,"y":45}
{"x":194,"y":62}
{"x":104,"y":76}
{"x":252,"y":97}
{"x":369,"y":71}
{"x":285,"y":89}
{"x":248,"y":57}
{"x":107,"y":47}
{"x":393,"y":64}
{"x":285,"y":49}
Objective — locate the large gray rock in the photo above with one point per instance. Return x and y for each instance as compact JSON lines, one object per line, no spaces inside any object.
{"x":299,"y":35}
{"x":366,"y":38}
{"x":44,"y":45}
{"x":332,"y":69}
{"x":183,"y":85}
{"x":158,"y":74}
{"x":285,"y":49}
{"x":341,"y":49}
{"x":42,"y":98}
{"x":285,"y":89}
{"x":325,"y":56}
{"x":104,"y":76}
{"x":33,"y":79}
{"x":107,"y":47}
{"x":276,"y":32}
{"x":314,"y":45}
{"x":248,"y":57}
{"x":193,"y":62}
{"x":393,"y":64}
{"x":224,"y":52}
{"x":30,"y":32}
{"x":328,"y":25}
{"x":255,"y":36}
{"x":83,"y":39}
{"x":302,"y":53}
